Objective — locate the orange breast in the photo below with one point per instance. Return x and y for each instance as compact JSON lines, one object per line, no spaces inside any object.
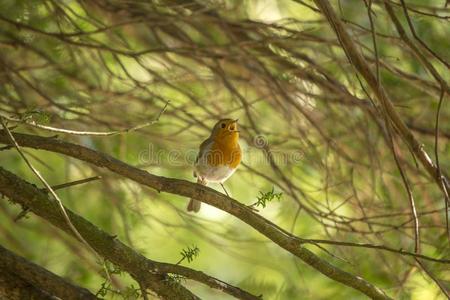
{"x":223,"y":153}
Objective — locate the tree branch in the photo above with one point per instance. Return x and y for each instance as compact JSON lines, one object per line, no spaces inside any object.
{"x":13,"y":287}
{"x":207,"y":195}
{"x":358,"y":61}
{"x":152,"y":274}
{"x":38,"y":278}
{"x":86,"y":133}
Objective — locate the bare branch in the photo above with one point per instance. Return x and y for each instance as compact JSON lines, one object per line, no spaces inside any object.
{"x":209,"y":196}
{"x":151,"y":274}
{"x":361,"y":65}
{"x":40,"y":278}
{"x":87,"y":133}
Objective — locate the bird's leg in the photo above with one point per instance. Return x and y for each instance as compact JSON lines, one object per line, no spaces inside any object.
{"x":221,"y":184}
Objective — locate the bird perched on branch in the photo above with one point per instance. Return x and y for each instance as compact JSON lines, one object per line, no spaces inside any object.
{"x":218,"y":158}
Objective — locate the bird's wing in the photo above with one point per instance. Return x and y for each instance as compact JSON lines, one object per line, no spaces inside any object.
{"x":203,"y":148}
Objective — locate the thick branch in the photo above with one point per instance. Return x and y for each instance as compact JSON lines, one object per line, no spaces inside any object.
{"x":204,"y":194}
{"x":39,"y":278}
{"x":13,"y":287}
{"x":151,"y":273}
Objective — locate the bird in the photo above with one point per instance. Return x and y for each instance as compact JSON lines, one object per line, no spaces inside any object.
{"x":218,"y":158}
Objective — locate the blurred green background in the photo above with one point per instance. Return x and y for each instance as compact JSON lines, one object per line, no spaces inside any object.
{"x":275,"y":65}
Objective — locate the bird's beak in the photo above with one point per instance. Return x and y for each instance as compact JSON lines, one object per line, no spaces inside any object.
{"x":235,"y":130}
{"x":235,"y":121}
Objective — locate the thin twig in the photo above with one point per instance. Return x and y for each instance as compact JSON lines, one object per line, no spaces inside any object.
{"x":25,"y":210}
{"x":76,"y":182}
{"x":441,"y":285}
{"x":438,"y":165}
{"x":87,"y":133}
{"x":377,"y":247}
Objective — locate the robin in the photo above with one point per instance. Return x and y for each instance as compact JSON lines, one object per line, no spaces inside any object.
{"x":218,"y":158}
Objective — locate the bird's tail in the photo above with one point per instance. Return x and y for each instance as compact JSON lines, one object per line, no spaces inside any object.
{"x":194,"y":205}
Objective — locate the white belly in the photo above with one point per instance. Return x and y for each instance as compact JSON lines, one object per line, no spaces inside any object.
{"x":214,"y":174}
{"x":209,"y":173}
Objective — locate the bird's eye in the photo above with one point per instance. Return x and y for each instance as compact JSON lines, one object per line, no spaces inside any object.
{"x":232,"y":128}
{"x":223,"y":125}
